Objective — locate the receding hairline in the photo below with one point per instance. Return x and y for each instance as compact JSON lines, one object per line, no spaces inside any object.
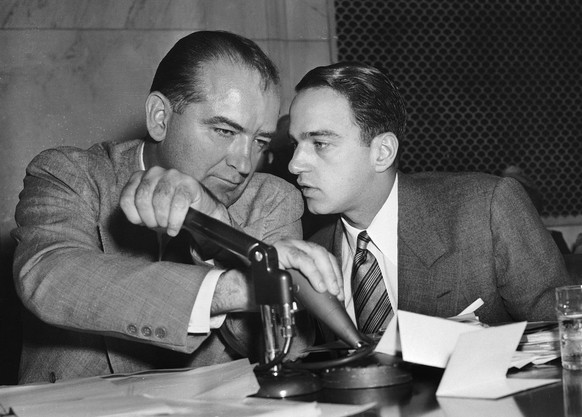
{"x":266,"y":83}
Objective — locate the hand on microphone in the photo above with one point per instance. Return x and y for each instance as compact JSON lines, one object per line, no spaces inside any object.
{"x":315,"y":262}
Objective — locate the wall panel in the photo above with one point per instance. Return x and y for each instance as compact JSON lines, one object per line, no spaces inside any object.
{"x":77,"y":72}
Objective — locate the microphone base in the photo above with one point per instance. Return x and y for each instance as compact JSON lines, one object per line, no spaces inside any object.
{"x":376,"y":370}
{"x":287,"y":383}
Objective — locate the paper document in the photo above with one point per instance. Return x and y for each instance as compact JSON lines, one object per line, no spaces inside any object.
{"x":539,"y":344}
{"x":390,"y":341}
{"x":429,"y":340}
{"x":472,"y":307}
{"x":227,"y":381}
{"x":221,"y":390}
{"x":478,"y":365}
{"x":63,"y":391}
{"x":131,"y":406}
{"x":465,"y":407}
{"x":475,"y":358}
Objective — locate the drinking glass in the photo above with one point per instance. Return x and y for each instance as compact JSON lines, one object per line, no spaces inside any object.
{"x":569,"y":313}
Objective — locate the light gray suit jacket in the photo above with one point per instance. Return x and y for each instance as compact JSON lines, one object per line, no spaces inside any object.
{"x":465,"y":236}
{"x":100,"y":301}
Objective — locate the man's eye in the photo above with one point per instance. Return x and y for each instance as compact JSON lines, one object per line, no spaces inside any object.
{"x":262,"y":144}
{"x":224,"y":132}
{"x":320,"y":145}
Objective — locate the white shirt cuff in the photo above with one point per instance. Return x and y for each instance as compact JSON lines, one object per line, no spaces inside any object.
{"x":200,"y":320}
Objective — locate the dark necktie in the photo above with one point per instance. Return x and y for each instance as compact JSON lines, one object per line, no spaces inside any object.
{"x":371,"y":302}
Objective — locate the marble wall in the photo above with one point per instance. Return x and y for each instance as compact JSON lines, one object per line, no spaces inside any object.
{"x":76,"y":72}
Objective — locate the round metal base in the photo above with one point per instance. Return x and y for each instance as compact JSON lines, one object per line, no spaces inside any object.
{"x":377,"y":370}
{"x":287,"y":383}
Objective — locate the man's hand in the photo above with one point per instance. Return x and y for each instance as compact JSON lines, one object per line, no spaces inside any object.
{"x":235,"y":291}
{"x":312,"y":260}
{"x":160,"y":198}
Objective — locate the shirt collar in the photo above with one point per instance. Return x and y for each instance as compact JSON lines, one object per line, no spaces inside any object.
{"x":384,"y":227}
{"x":140,"y":157}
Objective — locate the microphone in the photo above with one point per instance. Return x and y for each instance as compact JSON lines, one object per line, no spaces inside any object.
{"x":328,"y":309}
{"x":324,"y":306}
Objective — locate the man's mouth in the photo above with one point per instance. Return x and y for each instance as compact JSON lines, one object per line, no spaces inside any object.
{"x":232,"y":182}
{"x":306,"y":189}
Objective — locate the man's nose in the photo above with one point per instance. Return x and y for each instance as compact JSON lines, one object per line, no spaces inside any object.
{"x":297,"y":163}
{"x":240,"y":155}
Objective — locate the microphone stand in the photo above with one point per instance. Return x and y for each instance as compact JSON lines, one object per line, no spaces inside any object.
{"x":273,"y":289}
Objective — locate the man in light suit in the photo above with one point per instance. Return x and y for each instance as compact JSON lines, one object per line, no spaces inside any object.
{"x":105,"y":294}
{"x":440,"y":240}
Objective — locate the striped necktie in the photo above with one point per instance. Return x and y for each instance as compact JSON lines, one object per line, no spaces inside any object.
{"x":371,"y":301}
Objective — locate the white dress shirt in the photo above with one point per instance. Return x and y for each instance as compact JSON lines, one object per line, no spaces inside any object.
{"x":383,"y":232}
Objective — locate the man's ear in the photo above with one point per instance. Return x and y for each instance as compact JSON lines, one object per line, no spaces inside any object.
{"x":384,"y":151}
{"x":158,"y":113}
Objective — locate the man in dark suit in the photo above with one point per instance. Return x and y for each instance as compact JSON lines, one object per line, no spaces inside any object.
{"x":434,"y":242}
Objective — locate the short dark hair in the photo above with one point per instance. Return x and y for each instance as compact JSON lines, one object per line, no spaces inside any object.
{"x":177,"y":76}
{"x":374,"y":99}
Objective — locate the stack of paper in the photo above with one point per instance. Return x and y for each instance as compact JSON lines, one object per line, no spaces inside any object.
{"x":539,"y":344}
{"x":475,"y":358}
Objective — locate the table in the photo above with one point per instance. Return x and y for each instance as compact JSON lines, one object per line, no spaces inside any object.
{"x":415,"y":398}
{"x":418,"y":398}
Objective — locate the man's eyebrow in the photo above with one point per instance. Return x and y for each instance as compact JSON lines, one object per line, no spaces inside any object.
{"x":225,"y":120}
{"x":268,"y":135}
{"x":318,"y":133}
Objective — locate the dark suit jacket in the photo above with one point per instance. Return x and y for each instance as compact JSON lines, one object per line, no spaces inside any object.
{"x":99,"y":300}
{"x":465,"y":236}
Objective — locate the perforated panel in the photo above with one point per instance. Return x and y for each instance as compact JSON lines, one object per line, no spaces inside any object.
{"x":488,"y":84}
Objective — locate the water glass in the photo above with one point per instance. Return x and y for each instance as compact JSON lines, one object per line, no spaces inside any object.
{"x":569,"y":313}
{"x":572,"y":392}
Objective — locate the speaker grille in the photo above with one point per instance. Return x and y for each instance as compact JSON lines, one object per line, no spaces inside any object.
{"x":488,"y":84}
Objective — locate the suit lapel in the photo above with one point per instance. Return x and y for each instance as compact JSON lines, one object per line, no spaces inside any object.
{"x":330,"y":237}
{"x":338,"y":234}
{"x":116,"y":232}
{"x":417,"y":226}
{"x":420,"y":245}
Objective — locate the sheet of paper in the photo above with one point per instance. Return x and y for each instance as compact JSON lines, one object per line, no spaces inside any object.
{"x":464,"y":407}
{"x":62,"y":391}
{"x":429,"y":340}
{"x":291,"y":408}
{"x":217,"y":390}
{"x":129,"y":406}
{"x":390,"y":341}
{"x":478,"y":365}
{"x":471,"y":308}
{"x":232,"y":380}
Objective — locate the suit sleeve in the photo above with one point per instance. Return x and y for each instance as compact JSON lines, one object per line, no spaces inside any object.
{"x":528,"y":263}
{"x":64,"y":276}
